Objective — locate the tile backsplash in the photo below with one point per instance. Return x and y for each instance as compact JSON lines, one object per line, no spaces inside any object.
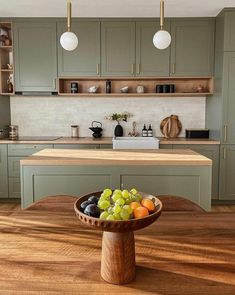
{"x":53,"y":115}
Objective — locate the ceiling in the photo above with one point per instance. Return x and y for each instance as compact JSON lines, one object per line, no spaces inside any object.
{"x":112,"y":8}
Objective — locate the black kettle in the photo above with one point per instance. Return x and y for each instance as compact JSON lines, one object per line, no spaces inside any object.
{"x":96,"y":129}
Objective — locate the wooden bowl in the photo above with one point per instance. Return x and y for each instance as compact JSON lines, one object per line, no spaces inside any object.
{"x":117,"y":225}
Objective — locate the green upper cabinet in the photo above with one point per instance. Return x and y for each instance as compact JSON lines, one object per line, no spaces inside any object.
{"x":192,"y":48}
{"x":150,"y":61}
{"x":118,"y":48}
{"x":229,"y":31}
{"x":85,"y":59}
{"x":229,"y":98}
{"x":35,"y":56}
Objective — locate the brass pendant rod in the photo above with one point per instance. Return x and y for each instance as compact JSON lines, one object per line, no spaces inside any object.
{"x":69,"y":12}
{"x":161,"y":14}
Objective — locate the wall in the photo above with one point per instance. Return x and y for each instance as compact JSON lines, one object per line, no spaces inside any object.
{"x":4,"y":111}
{"x":53,"y":115}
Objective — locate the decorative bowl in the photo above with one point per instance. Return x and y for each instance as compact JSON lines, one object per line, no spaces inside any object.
{"x":117,"y":225}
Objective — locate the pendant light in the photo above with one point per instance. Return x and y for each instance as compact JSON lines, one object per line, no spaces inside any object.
{"x":69,"y":40}
{"x":162,"y":39}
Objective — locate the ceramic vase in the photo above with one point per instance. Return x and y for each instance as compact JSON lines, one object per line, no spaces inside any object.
{"x":118,"y":131}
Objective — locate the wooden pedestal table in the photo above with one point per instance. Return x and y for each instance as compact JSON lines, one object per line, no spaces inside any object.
{"x":118,"y":243}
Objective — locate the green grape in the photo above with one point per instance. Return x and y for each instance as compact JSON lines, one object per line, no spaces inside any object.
{"x":104,"y":197}
{"x":124,"y":214}
{"x":117,"y":216}
{"x":128,"y":201}
{"x":117,"y":209}
{"x":125,"y":194}
{"x":107,"y":192}
{"x":120,"y":201}
{"x":104,"y":205}
{"x":133,"y":191}
{"x":104,"y":215}
{"x":138,"y":197}
{"x":115,"y":197}
{"x":110,"y":210}
{"x":128,"y":208}
{"x":118,"y":191}
{"x":110,"y":217}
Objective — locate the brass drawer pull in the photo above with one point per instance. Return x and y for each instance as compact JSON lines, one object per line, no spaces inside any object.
{"x":224,"y":153}
{"x":225,"y":132}
{"x":98,"y":69}
{"x":132,"y":69}
{"x":173,"y":68}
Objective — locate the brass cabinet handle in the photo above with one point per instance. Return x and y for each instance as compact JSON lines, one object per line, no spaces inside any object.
{"x":173,"y":68}
{"x":224,"y":153}
{"x":138,"y":68}
{"x":132,"y":69}
{"x":225,"y":132}
{"x":54,"y":83}
{"x":98,"y":69}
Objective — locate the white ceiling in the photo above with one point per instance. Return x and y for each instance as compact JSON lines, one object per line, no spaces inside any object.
{"x":112,"y":8}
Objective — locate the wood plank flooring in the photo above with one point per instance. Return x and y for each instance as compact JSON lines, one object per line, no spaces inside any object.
{"x":215,"y":208}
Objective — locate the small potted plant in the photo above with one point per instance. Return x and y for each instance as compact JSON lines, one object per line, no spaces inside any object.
{"x":118,"y":117}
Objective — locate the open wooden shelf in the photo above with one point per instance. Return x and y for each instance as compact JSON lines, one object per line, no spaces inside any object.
{"x":6,"y":58}
{"x":183,"y":86}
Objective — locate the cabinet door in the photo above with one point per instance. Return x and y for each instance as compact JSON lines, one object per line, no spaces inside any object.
{"x":150,"y":61}
{"x":76,"y":146}
{"x":85,"y":59}
{"x":229,"y":31}
{"x":192,"y":48}
{"x":3,"y":172}
{"x":211,"y":152}
{"x":229,"y":97}
{"x":227,"y":172}
{"x":117,"y":48}
{"x":35,"y":56}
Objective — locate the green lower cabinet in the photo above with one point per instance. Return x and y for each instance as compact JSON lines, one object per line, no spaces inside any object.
{"x":3,"y":172}
{"x":106,"y":146}
{"x":211,"y":152}
{"x":165,"y":146}
{"x":26,"y":149}
{"x":76,"y":146}
{"x":227,"y":172}
{"x":14,"y":187}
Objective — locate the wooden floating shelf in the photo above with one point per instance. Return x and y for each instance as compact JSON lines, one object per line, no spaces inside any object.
{"x":184,"y":86}
{"x":7,"y":70}
{"x":7,"y":48}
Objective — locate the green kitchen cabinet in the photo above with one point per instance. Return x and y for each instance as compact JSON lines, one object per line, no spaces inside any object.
{"x":14,"y":188}
{"x":150,"y":61}
{"x":76,"y":146}
{"x":165,"y":146}
{"x":85,"y":59}
{"x":118,"y":48}
{"x":227,"y":172}
{"x":212,"y":152}
{"x":3,"y":172}
{"x":18,"y":150}
{"x":229,"y":29}
{"x":229,"y":98}
{"x":192,"y":47}
{"x":35,"y":56}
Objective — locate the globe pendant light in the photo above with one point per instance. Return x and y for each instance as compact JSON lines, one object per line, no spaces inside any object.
{"x":69,"y":40}
{"x":162,"y":39}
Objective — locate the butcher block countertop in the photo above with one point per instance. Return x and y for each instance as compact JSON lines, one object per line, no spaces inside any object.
{"x":105,"y":140}
{"x":164,"y":157}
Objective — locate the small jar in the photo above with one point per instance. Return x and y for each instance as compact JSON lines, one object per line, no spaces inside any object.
{"x":74,"y":130}
{"x":13,"y":131}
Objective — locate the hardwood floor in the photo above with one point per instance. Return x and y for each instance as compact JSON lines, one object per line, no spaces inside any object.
{"x":215,"y":208}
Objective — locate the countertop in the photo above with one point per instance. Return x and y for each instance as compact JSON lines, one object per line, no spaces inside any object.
{"x":107,"y":140}
{"x":164,"y":157}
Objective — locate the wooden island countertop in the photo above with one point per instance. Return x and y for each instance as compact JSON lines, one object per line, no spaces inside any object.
{"x":185,"y":157}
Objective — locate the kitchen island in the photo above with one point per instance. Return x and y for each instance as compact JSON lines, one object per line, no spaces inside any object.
{"x":74,"y":172}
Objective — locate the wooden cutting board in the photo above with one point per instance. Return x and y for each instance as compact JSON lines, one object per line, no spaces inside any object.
{"x":171,"y":126}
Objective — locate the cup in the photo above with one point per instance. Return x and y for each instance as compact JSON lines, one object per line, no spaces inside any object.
{"x":171,"y":88}
{"x":140,"y":89}
{"x":159,"y":88}
{"x":74,"y":130}
{"x":74,"y":87}
{"x":165,"y":88}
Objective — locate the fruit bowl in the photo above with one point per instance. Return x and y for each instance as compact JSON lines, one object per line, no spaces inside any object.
{"x":118,"y":242}
{"x":117,"y":225}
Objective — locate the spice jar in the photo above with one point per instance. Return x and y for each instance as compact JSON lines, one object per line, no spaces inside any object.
{"x":74,"y":130}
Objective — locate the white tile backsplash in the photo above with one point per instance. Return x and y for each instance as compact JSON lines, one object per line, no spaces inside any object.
{"x":53,"y":115}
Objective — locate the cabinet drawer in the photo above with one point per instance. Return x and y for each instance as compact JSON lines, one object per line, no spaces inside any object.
{"x":14,"y":166}
{"x":26,"y":149}
{"x":14,"y":187}
{"x":76,"y":146}
{"x":106,"y":146}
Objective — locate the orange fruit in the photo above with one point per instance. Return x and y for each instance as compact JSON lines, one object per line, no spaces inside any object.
{"x":134,"y":205}
{"x":141,"y":212}
{"x":148,"y":204}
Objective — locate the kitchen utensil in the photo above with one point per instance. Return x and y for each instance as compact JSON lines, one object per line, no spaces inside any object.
{"x":96,"y":129}
{"x":124,"y":89}
{"x":13,"y":132}
{"x":118,"y":245}
{"x":171,"y":126}
{"x":92,"y":89}
{"x":74,"y":87}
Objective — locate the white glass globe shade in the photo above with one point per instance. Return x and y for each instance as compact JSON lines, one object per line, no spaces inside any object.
{"x":162,"y":39}
{"x":69,"y":41}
